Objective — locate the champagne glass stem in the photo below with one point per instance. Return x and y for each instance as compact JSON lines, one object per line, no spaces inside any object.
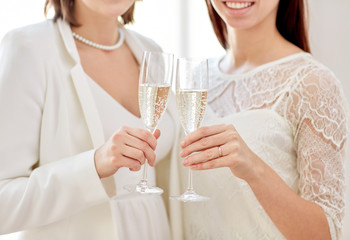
{"x":144,"y":173}
{"x":144,"y":179}
{"x":190,"y":180}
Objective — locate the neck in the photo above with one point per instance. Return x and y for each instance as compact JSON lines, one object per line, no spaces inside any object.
{"x":95,"y":27}
{"x":255,"y":46}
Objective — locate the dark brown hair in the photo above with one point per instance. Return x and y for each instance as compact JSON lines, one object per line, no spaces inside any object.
{"x":64,"y":9}
{"x":291,"y":23}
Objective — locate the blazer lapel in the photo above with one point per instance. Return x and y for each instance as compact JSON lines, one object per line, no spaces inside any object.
{"x":134,"y":44}
{"x":82,"y":88}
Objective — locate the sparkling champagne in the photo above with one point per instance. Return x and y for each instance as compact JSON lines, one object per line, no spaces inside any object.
{"x":191,"y":105}
{"x":153,"y":100}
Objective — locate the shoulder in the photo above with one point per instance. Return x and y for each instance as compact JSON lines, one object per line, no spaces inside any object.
{"x":308,"y":76}
{"x":146,"y":42}
{"x":24,"y":54}
{"x":34,"y":33}
{"x":322,"y":99}
{"x":311,"y":70}
{"x":32,"y":38}
{"x":315,"y":77}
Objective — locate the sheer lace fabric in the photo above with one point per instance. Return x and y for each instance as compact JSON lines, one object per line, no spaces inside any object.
{"x":292,"y":113}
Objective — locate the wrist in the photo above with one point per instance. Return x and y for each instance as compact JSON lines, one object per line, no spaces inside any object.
{"x":258,"y":170}
{"x":102,"y":167}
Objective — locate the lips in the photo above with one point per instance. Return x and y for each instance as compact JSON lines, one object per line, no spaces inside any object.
{"x":238,"y":8}
{"x":238,"y":5}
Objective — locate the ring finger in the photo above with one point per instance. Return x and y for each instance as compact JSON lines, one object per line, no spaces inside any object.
{"x":205,"y":144}
{"x":206,"y":155}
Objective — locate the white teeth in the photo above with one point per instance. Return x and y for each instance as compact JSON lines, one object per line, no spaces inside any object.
{"x":238,"y":5}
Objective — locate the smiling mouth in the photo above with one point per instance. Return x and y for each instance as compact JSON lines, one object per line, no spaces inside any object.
{"x":239,"y":5}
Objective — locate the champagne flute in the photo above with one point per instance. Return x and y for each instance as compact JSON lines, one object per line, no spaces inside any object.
{"x":191,"y":100}
{"x":154,"y":88}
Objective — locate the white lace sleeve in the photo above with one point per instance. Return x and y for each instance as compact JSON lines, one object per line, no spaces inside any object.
{"x":321,"y":130}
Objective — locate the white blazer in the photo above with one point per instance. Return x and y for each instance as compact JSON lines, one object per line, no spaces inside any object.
{"x":49,"y":128}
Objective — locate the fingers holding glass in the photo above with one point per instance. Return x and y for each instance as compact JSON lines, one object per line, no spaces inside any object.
{"x":143,"y":135}
{"x":203,"y":132}
{"x":142,"y":147}
{"x":211,"y":143}
{"x":213,"y":157}
{"x":236,"y":155}
{"x":123,"y":150}
{"x":204,"y":142}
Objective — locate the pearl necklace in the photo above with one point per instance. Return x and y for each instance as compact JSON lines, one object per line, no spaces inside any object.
{"x":99,"y":46}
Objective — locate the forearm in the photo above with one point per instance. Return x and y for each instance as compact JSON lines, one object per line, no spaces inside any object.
{"x":294,"y":216}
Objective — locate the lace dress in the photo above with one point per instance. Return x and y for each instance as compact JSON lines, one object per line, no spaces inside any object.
{"x":291,"y":113}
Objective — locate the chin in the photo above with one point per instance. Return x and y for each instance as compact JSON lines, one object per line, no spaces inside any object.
{"x":115,"y":10}
{"x":240,"y":24}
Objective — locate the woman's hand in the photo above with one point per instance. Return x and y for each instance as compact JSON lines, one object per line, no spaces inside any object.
{"x":219,"y":146}
{"x":128,"y":147}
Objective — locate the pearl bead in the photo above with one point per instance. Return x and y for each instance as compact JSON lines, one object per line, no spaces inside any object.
{"x":99,"y":46}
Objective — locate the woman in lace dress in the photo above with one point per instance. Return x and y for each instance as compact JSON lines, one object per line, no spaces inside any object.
{"x":273,"y":147}
{"x":71,"y":135}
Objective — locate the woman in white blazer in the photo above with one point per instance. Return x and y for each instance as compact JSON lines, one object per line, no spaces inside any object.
{"x":64,"y":153}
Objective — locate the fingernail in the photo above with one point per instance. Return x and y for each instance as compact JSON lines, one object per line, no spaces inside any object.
{"x":182,"y":143}
{"x":185,"y":162}
{"x":182,"y":154}
{"x":193,"y":166}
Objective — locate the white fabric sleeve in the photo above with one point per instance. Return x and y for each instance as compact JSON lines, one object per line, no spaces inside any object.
{"x":320,"y":144}
{"x":31,"y":196}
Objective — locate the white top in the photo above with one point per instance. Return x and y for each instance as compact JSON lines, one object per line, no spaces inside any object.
{"x":137,"y":216}
{"x":50,"y":127}
{"x":291,"y":113}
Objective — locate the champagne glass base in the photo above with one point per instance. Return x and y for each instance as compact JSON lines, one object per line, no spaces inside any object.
{"x":143,"y":188}
{"x":190,"y":196}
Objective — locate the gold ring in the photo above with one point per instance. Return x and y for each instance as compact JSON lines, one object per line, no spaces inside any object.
{"x":220,"y":151}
